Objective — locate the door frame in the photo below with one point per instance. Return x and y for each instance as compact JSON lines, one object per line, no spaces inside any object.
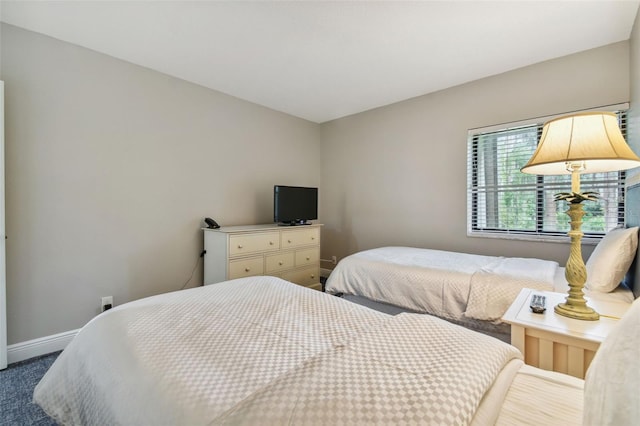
{"x":3,"y":267}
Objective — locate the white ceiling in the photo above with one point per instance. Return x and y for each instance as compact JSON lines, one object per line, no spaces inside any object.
{"x":325,"y":60}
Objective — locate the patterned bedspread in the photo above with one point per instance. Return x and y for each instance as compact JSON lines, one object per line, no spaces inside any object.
{"x":264,"y":351}
{"x":451,"y":285}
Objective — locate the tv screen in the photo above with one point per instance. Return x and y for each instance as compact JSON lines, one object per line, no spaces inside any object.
{"x":294,"y":205}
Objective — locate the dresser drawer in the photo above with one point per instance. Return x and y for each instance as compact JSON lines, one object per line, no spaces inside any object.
{"x":305,"y":276}
{"x":300,"y":237}
{"x":292,"y":253}
{"x":253,"y":243}
{"x":306,"y":257}
{"x":279,"y":262}
{"x":246,"y":267}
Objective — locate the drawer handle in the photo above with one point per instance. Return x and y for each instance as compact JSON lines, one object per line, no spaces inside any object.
{"x":313,"y":276}
{"x":280,"y":263}
{"x":308,"y":258}
{"x":313,"y":238}
{"x":239,"y":246}
{"x":289,"y":241}
{"x":247,"y":269}
{"x":270,"y":243}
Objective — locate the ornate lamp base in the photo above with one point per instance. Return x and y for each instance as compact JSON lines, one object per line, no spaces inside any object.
{"x":576,"y":273}
{"x":576,"y":312}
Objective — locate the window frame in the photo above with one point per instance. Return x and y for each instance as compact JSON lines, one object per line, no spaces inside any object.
{"x":539,"y":234}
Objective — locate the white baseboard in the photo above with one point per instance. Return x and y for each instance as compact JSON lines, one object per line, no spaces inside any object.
{"x":41,"y":346}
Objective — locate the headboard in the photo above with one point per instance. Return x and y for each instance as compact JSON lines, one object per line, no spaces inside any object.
{"x":632,"y":214}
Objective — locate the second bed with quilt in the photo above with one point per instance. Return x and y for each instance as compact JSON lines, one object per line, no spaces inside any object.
{"x":469,"y":289}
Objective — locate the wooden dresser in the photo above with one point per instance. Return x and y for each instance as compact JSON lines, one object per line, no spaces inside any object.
{"x":288,"y":252}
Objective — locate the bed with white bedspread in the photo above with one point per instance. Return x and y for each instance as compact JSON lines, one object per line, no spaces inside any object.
{"x":468,"y":289}
{"x":443,"y":283}
{"x":261,"y":350}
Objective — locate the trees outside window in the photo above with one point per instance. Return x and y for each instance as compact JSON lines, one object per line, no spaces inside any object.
{"x":502,"y":200}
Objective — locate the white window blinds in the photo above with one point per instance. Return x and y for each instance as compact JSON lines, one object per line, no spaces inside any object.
{"x":504,"y":201}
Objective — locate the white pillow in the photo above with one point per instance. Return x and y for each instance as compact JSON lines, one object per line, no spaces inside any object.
{"x":611,"y":387}
{"x":611,"y":259}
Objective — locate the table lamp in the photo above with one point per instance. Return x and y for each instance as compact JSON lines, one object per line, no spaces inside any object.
{"x":589,"y":142}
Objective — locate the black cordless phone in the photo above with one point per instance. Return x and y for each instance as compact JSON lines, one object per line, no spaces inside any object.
{"x":211,"y":223}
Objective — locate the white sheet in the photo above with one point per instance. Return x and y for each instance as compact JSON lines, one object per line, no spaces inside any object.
{"x":538,"y":397}
{"x":487,"y":414}
{"x":613,"y":379}
{"x":430,"y":281}
{"x":262,"y":350}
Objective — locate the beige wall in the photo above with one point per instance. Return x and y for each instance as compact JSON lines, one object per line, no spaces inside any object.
{"x":397,"y":175}
{"x":110,"y":169}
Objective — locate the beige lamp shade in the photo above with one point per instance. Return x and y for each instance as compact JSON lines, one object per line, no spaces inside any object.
{"x":592,"y":138}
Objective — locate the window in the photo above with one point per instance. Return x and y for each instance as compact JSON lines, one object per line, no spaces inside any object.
{"x":505,"y":202}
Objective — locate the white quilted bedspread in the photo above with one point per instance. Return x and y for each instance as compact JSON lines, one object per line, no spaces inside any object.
{"x":448,"y":284}
{"x":495,"y":286}
{"x":264,"y":351}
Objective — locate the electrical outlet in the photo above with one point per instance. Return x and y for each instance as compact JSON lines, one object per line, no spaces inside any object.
{"x":107,"y":303}
{"x":334,"y":259}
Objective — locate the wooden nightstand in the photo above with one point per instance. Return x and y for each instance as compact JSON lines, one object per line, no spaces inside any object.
{"x":557,"y":343}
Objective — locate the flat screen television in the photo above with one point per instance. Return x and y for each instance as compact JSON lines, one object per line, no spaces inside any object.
{"x":294,"y":205}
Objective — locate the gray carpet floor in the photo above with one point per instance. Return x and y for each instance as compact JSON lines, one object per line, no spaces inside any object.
{"x":17,"y":382}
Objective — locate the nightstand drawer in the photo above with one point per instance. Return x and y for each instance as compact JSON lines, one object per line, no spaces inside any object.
{"x":253,"y":243}
{"x":307,"y":256}
{"x":300,"y":237}
{"x":279,"y":262}
{"x":246,"y":267}
{"x":305,"y":276}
